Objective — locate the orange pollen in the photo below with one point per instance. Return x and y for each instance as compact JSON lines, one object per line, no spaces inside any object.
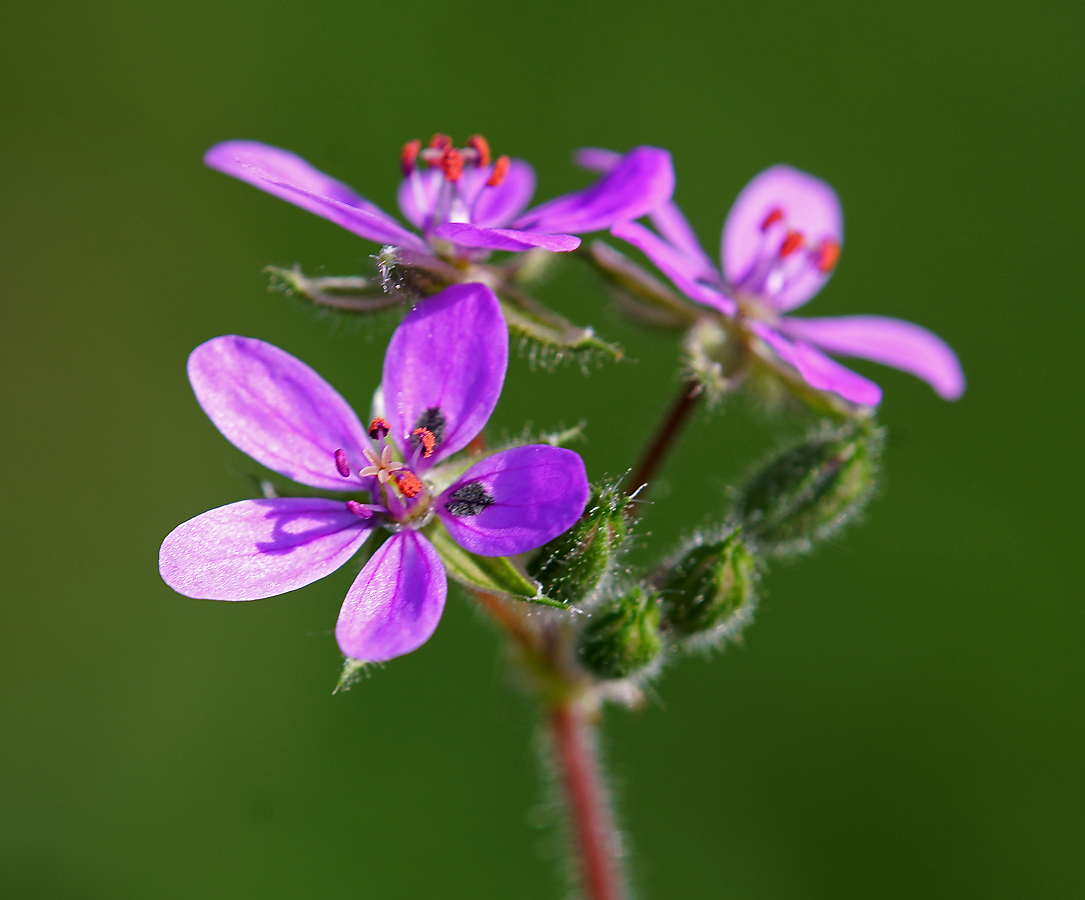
{"x":791,"y":243}
{"x":828,"y":254}
{"x":482,"y":147}
{"x":440,"y":141}
{"x":501,"y":169}
{"x":378,"y":428}
{"x":777,"y":215}
{"x":426,"y":439}
{"x":409,"y":155}
{"x":408,"y":483}
{"x":452,"y":164}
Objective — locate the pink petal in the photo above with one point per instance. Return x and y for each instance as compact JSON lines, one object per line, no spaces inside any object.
{"x":493,"y":207}
{"x":394,"y":605}
{"x":678,"y":267}
{"x":531,"y":494}
{"x":809,"y":205}
{"x":260,"y":548}
{"x":276,"y":409}
{"x":892,"y":342}
{"x":818,"y":370}
{"x":449,"y":354}
{"x":505,"y":238}
{"x":291,"y":178}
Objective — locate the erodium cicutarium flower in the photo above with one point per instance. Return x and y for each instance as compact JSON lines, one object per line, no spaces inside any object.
{"x":461,"y":201}
{"x":781,"y":243}
{"x":443,"y":374}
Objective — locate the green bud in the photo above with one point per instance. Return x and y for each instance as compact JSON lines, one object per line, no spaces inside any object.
{"x":573,"y":564}
{"x":622,"y":636}
{"x":808,"y":492}
{"x":710,"y":586}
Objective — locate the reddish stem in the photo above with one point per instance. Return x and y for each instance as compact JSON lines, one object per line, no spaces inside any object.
{"x":589,"y":814}
{"x":665,"y":436}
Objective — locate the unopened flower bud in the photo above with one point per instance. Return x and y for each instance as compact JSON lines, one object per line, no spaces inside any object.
{"x":807,"y":492}
{"x":710,"y":585}
{"x":573,"y":564}
{"x":622,"y":636}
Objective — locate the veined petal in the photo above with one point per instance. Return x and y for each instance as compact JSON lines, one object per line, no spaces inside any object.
{"x":678,"y":267}
{"x":396,"y":601}
{"x":291,"y":178}
{"x":493,"y":207}
{"x":260,"y":548}
{"x":505,"y":238}
{"x":515,"y":500}
{"x":638,"y":184}
{"x":818,"y":370}
{"x":417,"y":195}
{"x":276,"y":409}
{"x":891,"y":342}
{"x":809,"y":206}
{"x":445,"y":367}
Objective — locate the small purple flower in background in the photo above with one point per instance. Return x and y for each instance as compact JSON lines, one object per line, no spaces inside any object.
{"x":781,"y":242}
{"x":443,"y":374}
{"x":458,"y":196}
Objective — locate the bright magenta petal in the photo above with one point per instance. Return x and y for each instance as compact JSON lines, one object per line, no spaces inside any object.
{"x":892,"y":342}
{"x":515,"y":500}
{"x":818,"y":370}
{"x":634,"y":187}
{"x":276,"y":409}
{"x":394,"y":605}
{"x":495,"y":206}
{"x":678,"y":267}
{"x":505,"y":238}
{"x":809,"y":206}
{"x":291,"y":178}
{"x":446,"y":363}
{"x":259,"y":548}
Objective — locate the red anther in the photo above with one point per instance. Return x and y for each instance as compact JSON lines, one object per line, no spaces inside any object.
{"x":361,"y":511}
{"x":378,"y":428}
{"x":408,"y":156}
{"x":827,"y":255}
{"x":408,"y":483}
{"x":452,"y":164}
{"x":501,"y":169}
{"x":791,"y":243}
{"x":776,"y":215}
{"x":482,"y":147}
{"x":341,"y":463}
{"x":440,"y":141}
{"x":426,"y":439}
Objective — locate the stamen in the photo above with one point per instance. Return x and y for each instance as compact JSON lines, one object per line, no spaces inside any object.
{"x":359,"y":509}
{"x":827,"y":256}
{"x":482,"y":147}
{"x":378,"y":428}
{"x":426,"y":441}
{"x":452,"y":164}
{"x":501,"y":169}
{"x":341,"y":463}
{"x":408,"y":156}
{"x":433,"y":420}
{"x":791,"y":243}
{"x":776,"y":215}
{"x":440,"y":142}
{"x":408,"y":483}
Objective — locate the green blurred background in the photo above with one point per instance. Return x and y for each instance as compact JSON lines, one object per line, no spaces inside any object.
{"x":905,"y":717}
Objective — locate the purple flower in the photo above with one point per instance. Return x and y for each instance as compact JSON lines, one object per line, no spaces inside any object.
{"x":443,"y":374}
{"x":781,"y":242}
{"x":459,"y":197}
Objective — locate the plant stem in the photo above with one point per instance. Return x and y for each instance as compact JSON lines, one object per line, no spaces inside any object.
{"x":665,"y":436}
{"x":592,"y":829}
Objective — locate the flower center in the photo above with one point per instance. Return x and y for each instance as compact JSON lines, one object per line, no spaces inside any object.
{"x":463,"y":173}
{"x":785,"y":257}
